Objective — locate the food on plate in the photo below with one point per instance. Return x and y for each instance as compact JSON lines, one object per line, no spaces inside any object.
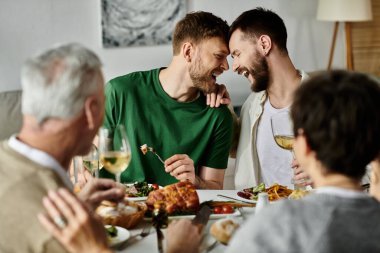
{"x":144,"y":149}
{"x":212,"y":203}
{"x":222,"y":230}
{"x":298,"y":194}
{"x":226,"y":209}
{"x":275,"y":192}
{"x":111,"y":232}
{"x":252,"y":193}
{"x":127,"y":216}
{"x":140,"y":189}
{"x":178,"y":198}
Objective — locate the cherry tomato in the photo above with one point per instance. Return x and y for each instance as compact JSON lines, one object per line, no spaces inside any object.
{"x":217,"y":210}
{"x":227,"y":209}
{"x":155,"y":186}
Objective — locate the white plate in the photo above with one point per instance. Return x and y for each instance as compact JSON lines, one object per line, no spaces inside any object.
{"x":212,"y":216}
{"x":243,"y":199}
{"x":138,"y":198}
{"x":122,"y":235}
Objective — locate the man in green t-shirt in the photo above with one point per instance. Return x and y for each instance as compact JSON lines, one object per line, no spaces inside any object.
{"x":166,"y":109}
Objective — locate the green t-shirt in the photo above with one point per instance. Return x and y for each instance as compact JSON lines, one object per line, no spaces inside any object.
{"x":151,"y":117}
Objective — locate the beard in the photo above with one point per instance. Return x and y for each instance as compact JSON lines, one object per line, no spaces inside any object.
{"x":260,"y":74}
{"x":201,"y":78}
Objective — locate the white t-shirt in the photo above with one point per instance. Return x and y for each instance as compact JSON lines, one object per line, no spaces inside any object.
{"x":275,"y":162}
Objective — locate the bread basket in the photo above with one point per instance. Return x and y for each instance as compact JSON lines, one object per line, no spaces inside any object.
{"x":128,"y":217}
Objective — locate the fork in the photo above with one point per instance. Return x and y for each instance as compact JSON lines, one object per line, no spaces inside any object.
{"x":154,"y":152}
{"x":145,"y":232}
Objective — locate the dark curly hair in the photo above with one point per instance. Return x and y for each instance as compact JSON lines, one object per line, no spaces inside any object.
{"x":260,"y":21}
{"x":339,"y":113}
{"x":196,"y":26}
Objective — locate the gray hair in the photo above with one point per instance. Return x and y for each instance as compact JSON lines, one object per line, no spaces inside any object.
{"x":57,"y":82}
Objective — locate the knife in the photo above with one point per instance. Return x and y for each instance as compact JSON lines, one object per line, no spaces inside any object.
{"x":160,"y":238}
{"x":201,"y":218}
{"x":227,"y":197}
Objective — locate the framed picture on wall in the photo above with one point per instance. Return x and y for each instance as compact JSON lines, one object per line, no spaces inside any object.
{"x":128,"y":23}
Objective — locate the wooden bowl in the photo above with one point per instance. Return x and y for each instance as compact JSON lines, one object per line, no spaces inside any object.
{"x":127,"y":218}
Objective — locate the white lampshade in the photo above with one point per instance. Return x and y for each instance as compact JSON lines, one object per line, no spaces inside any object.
{"x":344,"y":10}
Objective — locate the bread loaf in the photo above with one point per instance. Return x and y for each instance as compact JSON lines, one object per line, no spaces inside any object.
{"x":222,"y":230}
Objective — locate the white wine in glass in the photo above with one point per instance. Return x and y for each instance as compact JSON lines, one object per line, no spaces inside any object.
{"x":114,"y":150}
{"x":282,"y":129}
{"x":115,"y":161}
{"x":284,"y":141}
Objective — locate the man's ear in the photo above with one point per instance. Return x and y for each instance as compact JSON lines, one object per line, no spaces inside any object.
{"x":265,"y":44}
{"x":187,"y":51}
{"x":91,"y":109}
{"x":375,"y":171}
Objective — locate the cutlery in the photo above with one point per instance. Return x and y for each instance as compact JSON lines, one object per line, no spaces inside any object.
{"x":241,"y":201}
{"x":160,"y":238}
{"x":154,"y":152}
{"x":202,"y":217}
{"x":145,"y":232}
{"x":211,"y":246}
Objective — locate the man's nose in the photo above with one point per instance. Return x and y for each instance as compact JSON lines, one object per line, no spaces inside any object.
{"x":235,"y":65}
{"x":225,"y":65}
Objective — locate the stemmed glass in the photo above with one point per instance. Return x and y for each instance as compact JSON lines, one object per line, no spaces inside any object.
{"x":282,"y":129}
{"x":91,"y":161}
{"x":114,"y":150}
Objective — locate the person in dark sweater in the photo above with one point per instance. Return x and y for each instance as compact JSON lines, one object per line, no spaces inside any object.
{"x":336,"y":123}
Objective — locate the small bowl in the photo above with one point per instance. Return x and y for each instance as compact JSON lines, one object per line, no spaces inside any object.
{"x":110,"y":214}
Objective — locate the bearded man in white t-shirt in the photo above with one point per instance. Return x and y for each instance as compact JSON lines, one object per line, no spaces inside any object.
{"x":258,"y":48}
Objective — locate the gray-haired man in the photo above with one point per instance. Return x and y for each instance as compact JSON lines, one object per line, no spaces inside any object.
{"x":63,"y":107}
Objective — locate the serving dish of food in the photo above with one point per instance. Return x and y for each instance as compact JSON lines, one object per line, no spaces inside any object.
{"x":116,"y":235}
{"x":181,"y":201}
{"x":275,"y":192}
{"x":127,"y":215}
{"x":139,"y":191}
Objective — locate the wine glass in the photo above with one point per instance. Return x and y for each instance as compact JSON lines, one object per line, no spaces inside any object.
{"x":91,"y":161}
{"x":282,"y":129}
{"x":78,"y":170}
{"x":114,"y":150}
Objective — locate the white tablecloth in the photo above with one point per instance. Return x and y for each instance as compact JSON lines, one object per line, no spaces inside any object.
{"x":149,"y":243}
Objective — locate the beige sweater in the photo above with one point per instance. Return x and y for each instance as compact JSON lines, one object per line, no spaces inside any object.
{"x":23,"y":184}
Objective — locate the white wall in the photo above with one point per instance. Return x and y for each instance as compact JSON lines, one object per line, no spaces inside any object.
{"x":29,"y":26}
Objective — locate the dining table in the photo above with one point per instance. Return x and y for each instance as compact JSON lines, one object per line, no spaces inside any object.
{"x":209,"y":244}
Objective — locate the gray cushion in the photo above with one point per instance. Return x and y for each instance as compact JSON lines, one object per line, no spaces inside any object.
{"x":10,"y":113}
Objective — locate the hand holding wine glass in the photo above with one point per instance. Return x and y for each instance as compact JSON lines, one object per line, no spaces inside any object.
{"x":114,"y":150}
{"x":282,"y":129}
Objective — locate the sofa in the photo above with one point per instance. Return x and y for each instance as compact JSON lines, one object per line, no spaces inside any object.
{"x":10,"y":113}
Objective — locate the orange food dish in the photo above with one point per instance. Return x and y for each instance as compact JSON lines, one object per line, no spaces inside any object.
{"x":180,"y":197}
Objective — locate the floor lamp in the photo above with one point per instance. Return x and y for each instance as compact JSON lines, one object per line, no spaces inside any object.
{"x":346,"y":11}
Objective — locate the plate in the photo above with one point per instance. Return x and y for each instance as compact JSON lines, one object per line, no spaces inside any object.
{"x":138,"y":198}
{"x":244,"y":199}
{"x":191,"y":216}
{"x":122,"y":235}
